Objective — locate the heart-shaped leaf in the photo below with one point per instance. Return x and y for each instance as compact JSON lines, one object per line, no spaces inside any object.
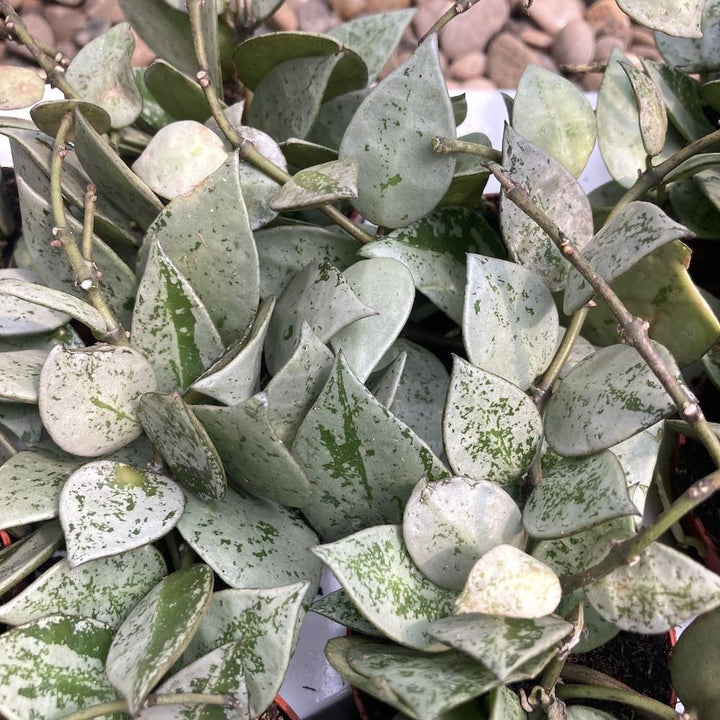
{"x":501,"y":644}
{"x":171,"y":326}
{"x":20,"y":372}
{"x":604,"y":399}
{"x":19,"y":317}
{"x":88,"y":397}
{"x":666,"y":15}
{"x":385,"y":383}
{"x":492,"y":429}
{"x":48,"y":116}
{"x":101,"y":73}
{"x":265,"y":623}
{"x":552,"y":188}
{"x":400,"y":178}
{"x":107,"y":507}
{"x":157,"y":631}
{"x":250,"y":542}
{"x":449,"y":524}
{"x":177,"y":94}
{"x":183,"y":443}
{"x":550,"y":112}
{"x":379,"y":576}
{"x":334,"y":117}
{"x":318,"y":185}
{"x":510,"y":323}
{"x":20,"y":87}
{"x":506,"y":581}
{"x":577,"y":493}
{"x":339,"y":608}
{"x":361,"y":461}
{"x":105,"y":589}
{"x":68,"y":653}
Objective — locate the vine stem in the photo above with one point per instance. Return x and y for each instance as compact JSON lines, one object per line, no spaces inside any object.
{"x":88,"y":223}
{"x":627,"y":697}
{"x":452,"y":12}
{"x":247,"y":150}
{"x":446,"y":145}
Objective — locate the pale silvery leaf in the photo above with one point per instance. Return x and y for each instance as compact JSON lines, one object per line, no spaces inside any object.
{"x":668,"y":16}
{"x":20,"y":87}
{"x":21,"y":317}
{"x":505,"y":705}
{"x":318,"y":185}
{"x":107,"y":507}
{"x":20,"y":375}
{"x":693,"y":54}
{"x":339,"y":608}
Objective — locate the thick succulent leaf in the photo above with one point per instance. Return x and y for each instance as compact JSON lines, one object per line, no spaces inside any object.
{"x":374,"y":37}
{"x":334,"y":117}
{"x":285,"y":250}
{"x":662,"y":589}
{"x":379,"y":576}
{"x":52,"y":667}
{"x":175,"y":93}
{"x":361,"y":461}
{"x":24,"y":556}
{"x":254,"y":456}
{"x":400,"y":178}
{"x":206,"y":235}
{"x":251,"y":542}
{"x":652,"y":115}
{"x":88,"y":398}
{"x":711,"y":364}
{"x":510,"y":322}
{"x":501,"y":644}
{"x":171,"y":326}
{"x":152,"y":116}
{"x":20,"y":87}
{"x":552,"y":188}
{"x":449,"y":524}
{"x":339,"y":608}
{"x":318,"y":295}
{"x":112,"y":176}
{"x":236,"y":375}
{"x":263,"y":9}
{"x":579,"y":712}
{"x":23,"y":420}
{"x":303,"y":154}
{"x":20,"y":317}
{"x":386,"y":286}
{"x":183,"y":443}
{"x":105,"y":589}
{"x":605,"y":399}
{"x":48,"y":116}
{"x":101,"y":73}
{"x":157,"y":631}
{"x":384,"y":383}
{"x":470,"y":176}
{"x":44,"y":341}
{"x":577,"y":493}
{"x":638,"y":456}
{"x":506,"y":581}
{"x":505,"y":705}
{"x":20,"y":373}
{"x":666,"y":15}
{"x":264,"y":622}
{"x":492,"y":429}
{"x":434,"y":251}
{"x":318,"y":185}
{"x":660,"y":290}
{"x":550,"y":112}
{"x":293,"y":390}
{"x":108,"y":507}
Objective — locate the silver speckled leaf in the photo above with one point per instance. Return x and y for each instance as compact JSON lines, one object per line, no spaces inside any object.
{"x":20,"y":375}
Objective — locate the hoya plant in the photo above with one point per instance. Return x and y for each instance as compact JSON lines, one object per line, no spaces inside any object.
{"x":257,"y":318}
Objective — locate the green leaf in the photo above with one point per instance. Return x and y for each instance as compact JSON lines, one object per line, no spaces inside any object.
{"x":604,"y":399}
{"x":505,"y":705}
{"x":177,"y":94}
{"x":108,"y":507}
{"x":318,"y":185}
{"x":88,"y":397}
{"x":334,"y":117}
{"x":666,"y":15}
{"x":303,"y":154}
{"x":400,"y":178}
{"x":550,"y":112}
{"x":470,"y":176}
{"x":48,"y":116}
{"x":101,"y":73}
{"x":379,"y":576}
{"x":152,"y":116}
{"x":20,"y":87}
{"x":183,"y":443}
{"x":265,"y":623}
{"x":263,"y":9}
{"x":577,"y":493}
{"x":449,"y":524}
{"x":662,"y":589}
{"x":386,"y":286}
{"x":171,"y":326}
{"x":374,"y":37}
{"x":579,"y":712}
{"x":105,"y":589}
{"x":434,"y":250}
{"x":339,"y":608}
{"x":506,"y":581}
{"x":23,"y":420}
{"x":254,"y":456}
{"x":236,"y":375}
{"x":501,"y":644}
{"x":24,"y":556}
{"x":361,"y":461}
{"x":157,"y":631}
{"x":492,"y":429}
{"x":251,"y":542}
{"x":20,"y":372}
{"x":52,"y":667}
{"x":552,"y":188}
{"x":510,"y":323}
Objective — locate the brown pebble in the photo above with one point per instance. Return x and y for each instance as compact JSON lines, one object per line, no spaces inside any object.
{"x":108,"y":10}
{"x":507,"y":58}
{"x":649,"y":52}
{"x":70,"y":3}
{"x":316,"y":16}
{"x":536,"y":38}
{"x":608,"y":19}
{"x":591,"y":81}
{"x":473,"y":31}
{"x":574,"y":44}
{"x":470,"y":65}
{"x":285,"y":18}
{"x":642,"y":35}
{"x":553,"y":15}
{"x":89,"y":31}
{"x":604,"y":47}
{"x":428,"y":13}
{"x":64,"y":21}
{"x":482,"y":83}
{"x":142,"y":55}
{"x":348,"y":9}
{"x":376,"y":6}
{"x":39,"y":28}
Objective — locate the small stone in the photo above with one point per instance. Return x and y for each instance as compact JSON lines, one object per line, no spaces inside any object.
{"x":545,"y":61}
{"x":70,"y":3}
{"x":608,"y":19}
{"x":470,"y":65}
{"x":591,"y":81}
{"x":284,"y":19}
{"x":39,"y":28}
{"x":475,"y":28}
{"x":348,"y":9}
{"x":574,"y":44}
{"x":642,"y":36}
{"x":142,"y":55}
{"x":67,"y":48}
{"x":647,"y":52}
{"x":428,"y":13}
{"x":90,"y":30}
{"x":479,"y":84}
{"x":535,"y":38}
{"x":604,"y":47}
{"x":553,"y":15}
{"x":316,"y":16}
{"x":64,"y":21}
{"x":507,"y":58}
{"x":108,"y":10}
{"x":376,"y":6}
